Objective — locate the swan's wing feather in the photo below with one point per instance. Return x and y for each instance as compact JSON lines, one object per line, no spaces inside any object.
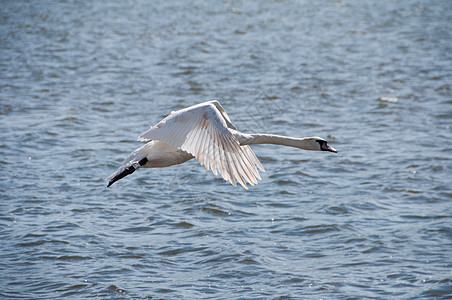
{"x":203,"y":131}
{"x":223,"y":113}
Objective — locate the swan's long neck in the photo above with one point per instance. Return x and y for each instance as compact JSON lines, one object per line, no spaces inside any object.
{"x":263,"y":138}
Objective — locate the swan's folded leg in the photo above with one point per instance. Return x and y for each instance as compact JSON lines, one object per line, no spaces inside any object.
{"x":131,"y":163}
{"x":151,"y":155}
{"x":126,"y":170}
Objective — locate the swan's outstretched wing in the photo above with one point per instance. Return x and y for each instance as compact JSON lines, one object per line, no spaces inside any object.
{"x":202,"y":130}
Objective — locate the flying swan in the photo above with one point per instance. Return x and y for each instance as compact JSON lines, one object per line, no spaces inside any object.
{"x":205,"y":132}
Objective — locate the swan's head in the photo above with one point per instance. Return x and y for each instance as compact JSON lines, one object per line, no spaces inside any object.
{"x":323,"y":144}
{"x":318,"y":144}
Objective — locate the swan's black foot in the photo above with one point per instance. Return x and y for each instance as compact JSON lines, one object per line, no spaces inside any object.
{"x":127,"y":171}
{"x":124,"y":173}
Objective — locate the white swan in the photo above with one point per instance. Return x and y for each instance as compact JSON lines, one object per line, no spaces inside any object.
{"x":205,"y":132}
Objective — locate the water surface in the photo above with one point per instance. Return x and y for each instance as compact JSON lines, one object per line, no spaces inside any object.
{"x":79,"y":81}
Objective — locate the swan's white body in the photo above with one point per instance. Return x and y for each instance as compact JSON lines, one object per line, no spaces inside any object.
{"x":205,"y":132}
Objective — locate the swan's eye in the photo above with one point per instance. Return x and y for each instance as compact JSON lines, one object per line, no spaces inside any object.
{"x":325,"y":147}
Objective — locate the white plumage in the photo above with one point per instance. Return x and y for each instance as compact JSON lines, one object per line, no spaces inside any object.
{"x":205,"y":132}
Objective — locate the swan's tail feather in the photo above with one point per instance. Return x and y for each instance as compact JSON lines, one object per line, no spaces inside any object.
{"x":125,"y":170}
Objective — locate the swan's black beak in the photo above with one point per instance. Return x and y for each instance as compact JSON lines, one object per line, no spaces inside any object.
{"x":325,"y":147}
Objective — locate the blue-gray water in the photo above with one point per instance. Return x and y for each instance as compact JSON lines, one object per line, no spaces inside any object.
{"x":80,"y":80}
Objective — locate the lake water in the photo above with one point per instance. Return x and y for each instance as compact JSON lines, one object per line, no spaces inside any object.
{"x":80,"y":80}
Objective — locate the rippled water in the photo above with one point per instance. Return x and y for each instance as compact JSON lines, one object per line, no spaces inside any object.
{"x":79,"y":81}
